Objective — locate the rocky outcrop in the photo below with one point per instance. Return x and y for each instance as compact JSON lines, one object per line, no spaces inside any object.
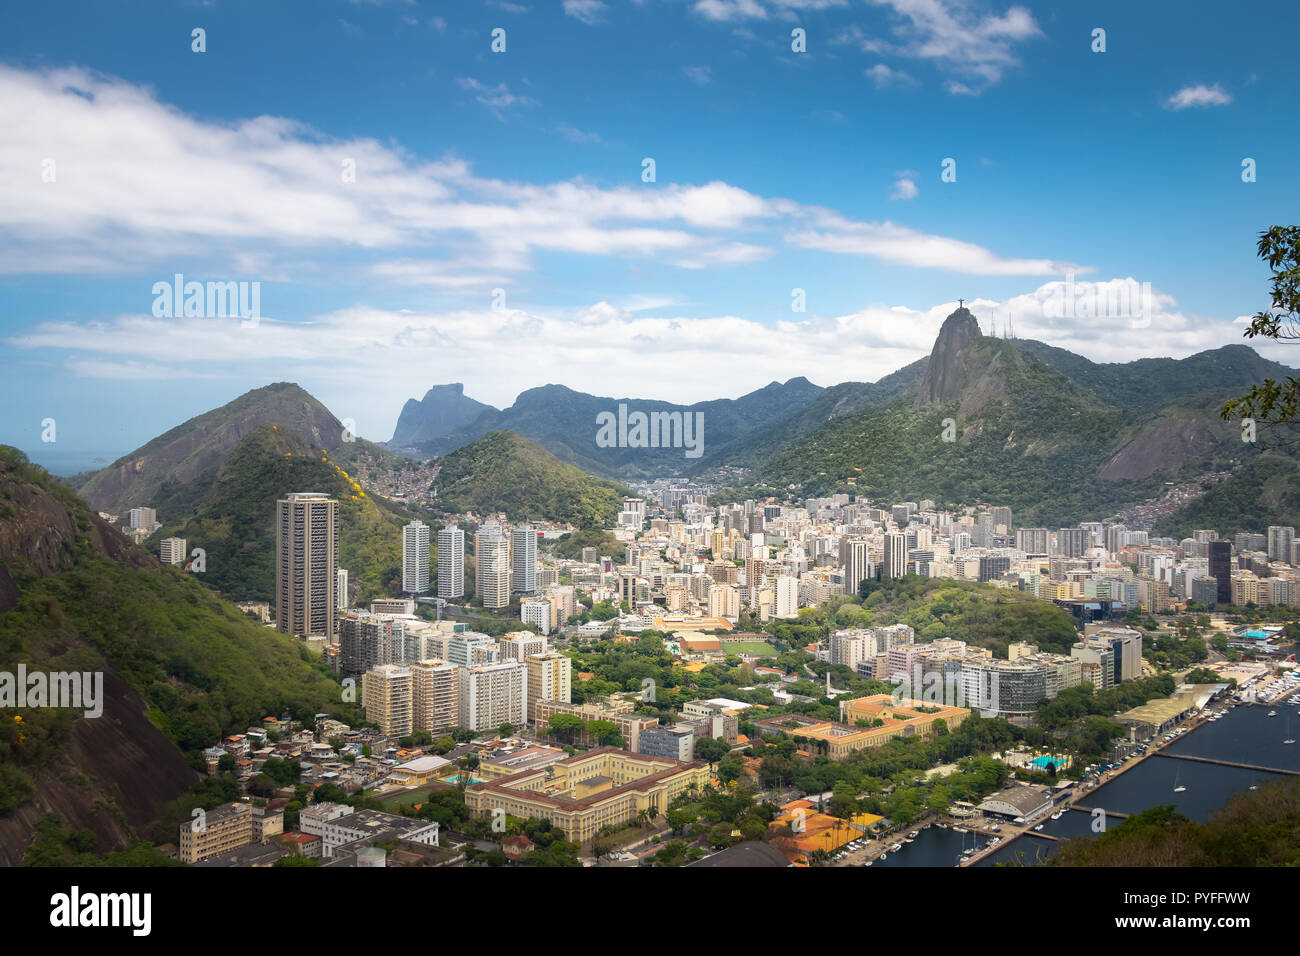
{"x":179,"y":456}
{"x":946,"y":378}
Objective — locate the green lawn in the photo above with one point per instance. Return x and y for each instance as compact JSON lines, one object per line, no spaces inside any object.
{"x":748,"y":647}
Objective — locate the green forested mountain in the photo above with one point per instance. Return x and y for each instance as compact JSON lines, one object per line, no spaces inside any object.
{"x":181,"y":667}
{"x":1058,"y":438}
{"x":230,"y":513}
{"x":1265,"y":491}
{"x":563,"y":421}
{"x":503,"y":471}
{"x":175,"y":459}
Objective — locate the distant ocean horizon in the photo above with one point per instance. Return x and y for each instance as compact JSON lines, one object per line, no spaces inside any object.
{"x":64,"y":463}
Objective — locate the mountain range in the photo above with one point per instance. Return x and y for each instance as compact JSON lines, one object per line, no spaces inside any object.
{"x":1051,"y":433}
{"x":980,"y":419}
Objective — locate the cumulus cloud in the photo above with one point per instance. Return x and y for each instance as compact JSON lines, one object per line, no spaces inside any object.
{"x":607,"y":349}
{"x":905,"y":187}
{"x":899,"y":244}
{"x":956,"y":36}
{"x":1199,"y":95}
{"x":141,"y":186}
{"x":730,"y":10}
{"x":884,"y":76}
{"x":699,"y":75}
{"x":589,"y":12}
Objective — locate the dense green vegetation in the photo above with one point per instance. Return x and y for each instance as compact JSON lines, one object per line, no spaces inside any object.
{"x":234,"y":519}
{"x":1075,"y":704}
{"x":571,"y":545}
{"x":56,"y":845}
{"x":503,"y":471}
{"x":1263,"y":492}
{"x":200,"y":667}
{"x":1035,"y":444}
{"x":1255,"y":828}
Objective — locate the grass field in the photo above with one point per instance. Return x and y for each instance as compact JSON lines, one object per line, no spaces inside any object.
{"x":748,"y":647}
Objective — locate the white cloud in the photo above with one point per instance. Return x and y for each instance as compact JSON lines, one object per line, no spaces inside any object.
{"x":905,"y":187}
{"x":142,"y":188}
{"x":1199,"y":95}
{"x":589,"y":12}
{"x":497,"y":97}
{"x":575,"y":135}
{"x":891,"y":242}
{"x":956,"y":36}
{"x":606,"y":349}
{"x":884,"y":76}
{"x":699,"y":75}
{"x":728,"y":10}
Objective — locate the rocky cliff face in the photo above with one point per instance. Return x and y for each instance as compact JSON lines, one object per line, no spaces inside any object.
{"x":111,"y":774}
{"x":946,"y":377}
{"x":182,"y":454}
{"x":443,"y":409}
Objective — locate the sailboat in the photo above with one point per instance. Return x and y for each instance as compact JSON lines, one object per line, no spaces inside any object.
{"x":1178,"y":787}
{"x":1289,"y":738}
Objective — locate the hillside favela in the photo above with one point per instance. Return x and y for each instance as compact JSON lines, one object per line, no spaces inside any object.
{"x":589,"y":436}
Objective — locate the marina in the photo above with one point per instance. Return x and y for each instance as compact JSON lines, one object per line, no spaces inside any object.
{"x":1197,"y":772}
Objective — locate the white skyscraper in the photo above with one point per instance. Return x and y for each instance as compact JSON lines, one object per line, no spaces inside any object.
{"x":523,"y":567}
{"x":415,"y":557}
{"x":787,"y":596}
{"x":451,"y":562}
{"x":342,"y":590}
{"x":492,"y":568}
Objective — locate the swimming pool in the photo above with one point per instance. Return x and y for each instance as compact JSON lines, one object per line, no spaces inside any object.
{"x":1042,"y":763}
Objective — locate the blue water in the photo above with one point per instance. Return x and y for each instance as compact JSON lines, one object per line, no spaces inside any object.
{"x":1246,"y":735}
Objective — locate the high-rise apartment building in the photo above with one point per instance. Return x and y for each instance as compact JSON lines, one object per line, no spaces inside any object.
{"x":306,"y":565}
{"x":537,"y":613}
{"x":415,"y":557}
{"x":1032,"y":540}
{"x":523,"y":560}
{"x":492,"y":568}
{"x":895,"y":565}
{"x":146,"y":519}
{"x":1071,"y":542}
{"x":172,"y":551}
{"x":1280,"y":539}
{"x":493,"y":694}
{"x":388,"y":696}
{"x":341,"y":591}
{"x":787,"y":596}
{"x":550,"y":677}
{"x":435,"y":696}
{"x":1220,"y":568}
{"x":857,"y":564}
{"x":451,"y":563}
{"x":520,"y":645}
{"x":724,"y":601}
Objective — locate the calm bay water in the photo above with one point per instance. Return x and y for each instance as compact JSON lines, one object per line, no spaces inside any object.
{"x":1246,"y":735}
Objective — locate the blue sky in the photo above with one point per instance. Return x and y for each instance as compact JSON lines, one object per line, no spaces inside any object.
{"x":522,"y":172}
